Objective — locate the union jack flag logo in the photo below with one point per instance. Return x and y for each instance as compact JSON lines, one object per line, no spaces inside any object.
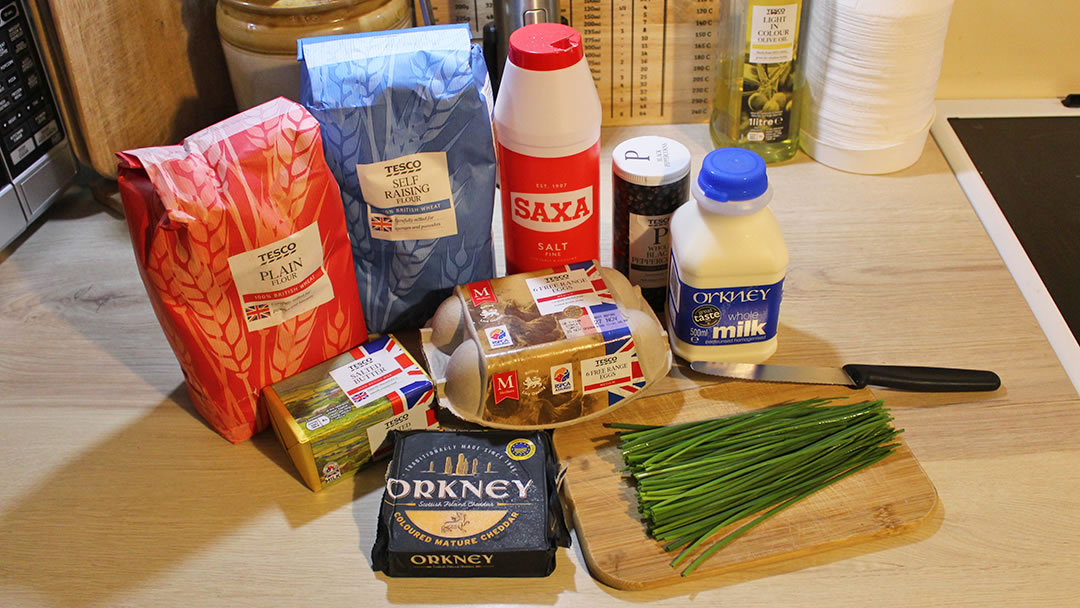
{"x":382,"y":223}
{"x":257,"y":311}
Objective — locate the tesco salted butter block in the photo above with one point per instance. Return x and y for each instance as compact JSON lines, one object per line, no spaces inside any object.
{"x":333,"y":419}
{"x":546,"y":348}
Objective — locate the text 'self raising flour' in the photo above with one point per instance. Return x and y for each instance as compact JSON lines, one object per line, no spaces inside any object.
{"x":728,"y":262}
{"x":547,"y":127}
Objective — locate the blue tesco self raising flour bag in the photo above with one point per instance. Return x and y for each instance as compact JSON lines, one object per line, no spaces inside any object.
{"x":406,"y":123}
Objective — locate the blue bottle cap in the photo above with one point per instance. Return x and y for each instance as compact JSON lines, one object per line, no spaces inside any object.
{"x":732,"y":174}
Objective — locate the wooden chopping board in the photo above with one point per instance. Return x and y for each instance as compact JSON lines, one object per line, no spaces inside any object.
{"x":888,"y":498}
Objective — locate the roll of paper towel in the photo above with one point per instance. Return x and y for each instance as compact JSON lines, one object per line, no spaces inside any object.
{"x":870,"y":70}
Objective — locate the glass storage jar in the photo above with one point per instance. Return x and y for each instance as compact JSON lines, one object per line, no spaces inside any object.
{"x":259,"y":38}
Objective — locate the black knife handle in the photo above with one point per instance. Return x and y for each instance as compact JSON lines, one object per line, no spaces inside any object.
{"x":922,"y":379}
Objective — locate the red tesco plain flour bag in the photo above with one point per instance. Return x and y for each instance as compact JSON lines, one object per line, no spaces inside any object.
{"x":239,"y":234}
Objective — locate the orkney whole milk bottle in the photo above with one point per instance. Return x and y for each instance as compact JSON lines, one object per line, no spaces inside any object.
{"x":547,"y":130}
{"x":728,"y":262}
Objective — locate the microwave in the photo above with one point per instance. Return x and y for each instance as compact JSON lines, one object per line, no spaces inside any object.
{"x":37,"y":158}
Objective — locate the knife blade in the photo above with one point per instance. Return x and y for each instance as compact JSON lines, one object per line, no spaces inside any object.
{"x":856,"y":375}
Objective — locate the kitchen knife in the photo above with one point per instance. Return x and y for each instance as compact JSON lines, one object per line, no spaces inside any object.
{"x":903,"y":377}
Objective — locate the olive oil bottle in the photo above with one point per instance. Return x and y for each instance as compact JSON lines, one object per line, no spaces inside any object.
{"x":754,"y":101}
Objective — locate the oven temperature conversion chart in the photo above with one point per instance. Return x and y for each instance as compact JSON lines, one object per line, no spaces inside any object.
{"x":651,"y":60}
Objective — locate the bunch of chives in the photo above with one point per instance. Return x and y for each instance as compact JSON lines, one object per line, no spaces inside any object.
{"x":697,"y":478}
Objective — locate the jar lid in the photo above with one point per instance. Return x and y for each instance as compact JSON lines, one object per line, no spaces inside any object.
{"x":544,"y":47}
{"x":650,"y":160}
{"x":732,"y":174}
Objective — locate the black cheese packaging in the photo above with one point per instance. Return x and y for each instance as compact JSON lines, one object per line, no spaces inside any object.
{"x":469,"y":504}
{"x":546,"y":348}
{"x":333,"y":418}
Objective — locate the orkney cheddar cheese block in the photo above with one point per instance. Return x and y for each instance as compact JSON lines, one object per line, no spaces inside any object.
{"x":470,"y":503}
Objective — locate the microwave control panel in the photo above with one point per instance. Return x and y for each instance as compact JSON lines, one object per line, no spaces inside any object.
{"x":38,"y":162}
{"x":29,"y":124}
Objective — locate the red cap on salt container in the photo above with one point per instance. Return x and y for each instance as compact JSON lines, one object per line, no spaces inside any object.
{"x":545,"y":46}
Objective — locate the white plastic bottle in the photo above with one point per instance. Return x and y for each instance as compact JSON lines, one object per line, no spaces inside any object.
{"x":547,"y":130}
{"x":728,"y":262}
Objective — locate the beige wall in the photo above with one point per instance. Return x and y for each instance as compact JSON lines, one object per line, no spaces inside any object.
{"x":1010,"y":48}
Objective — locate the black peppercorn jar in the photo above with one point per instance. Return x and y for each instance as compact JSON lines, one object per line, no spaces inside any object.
{"x":650,"y":179}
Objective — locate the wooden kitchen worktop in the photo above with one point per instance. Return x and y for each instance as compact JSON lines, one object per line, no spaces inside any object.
{"x":114,"y":493}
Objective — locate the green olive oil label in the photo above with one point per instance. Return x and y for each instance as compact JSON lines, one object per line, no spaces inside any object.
{"x":768,"y":74}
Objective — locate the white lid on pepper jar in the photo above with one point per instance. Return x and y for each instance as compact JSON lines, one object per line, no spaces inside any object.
{"x":650,"y":160}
